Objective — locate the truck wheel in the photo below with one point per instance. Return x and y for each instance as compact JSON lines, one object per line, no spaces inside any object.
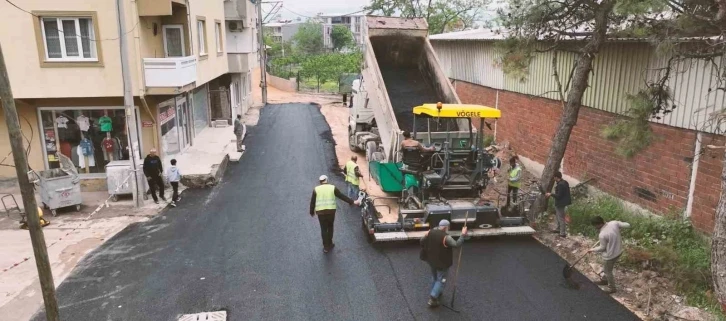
{"x":371,"y":147}
{"x":351,"y":142}
{"x":378,"y":157}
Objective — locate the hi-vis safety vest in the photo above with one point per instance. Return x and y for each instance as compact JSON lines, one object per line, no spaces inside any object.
{"x":513,"y":173}
{"x":350,"y":173}
{"x":324,"y":197}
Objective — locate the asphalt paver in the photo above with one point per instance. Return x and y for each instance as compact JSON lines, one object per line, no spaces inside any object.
{"x":248,"y":246}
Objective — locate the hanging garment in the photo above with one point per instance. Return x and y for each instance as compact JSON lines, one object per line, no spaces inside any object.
{"x":75,"y":155}
{"x":82,"y":159}
{"x":106,"y":124}
{"x":83,"y":123}
{"x":86,"y":147}
{"x":108,"y":151}
{"x":61,"y":121}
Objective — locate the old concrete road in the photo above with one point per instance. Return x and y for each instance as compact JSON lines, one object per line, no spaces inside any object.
{"x":248,"y":246}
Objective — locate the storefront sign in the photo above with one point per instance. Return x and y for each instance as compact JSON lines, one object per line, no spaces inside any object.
{"x":166,"y":116}
{"x":147,"y":123}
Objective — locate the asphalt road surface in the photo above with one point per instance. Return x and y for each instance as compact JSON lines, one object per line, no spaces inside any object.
{"x":248,"y":246}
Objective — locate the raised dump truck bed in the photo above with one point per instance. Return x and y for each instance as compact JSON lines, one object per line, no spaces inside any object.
{"x":401,"y":71}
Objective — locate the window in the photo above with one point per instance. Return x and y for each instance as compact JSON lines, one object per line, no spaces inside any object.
{"x":90,"y":137}
{"x":218,"y":36}
{"x":68,"y":38}
{"x":357,"y":24}
{"x":201,"y":30}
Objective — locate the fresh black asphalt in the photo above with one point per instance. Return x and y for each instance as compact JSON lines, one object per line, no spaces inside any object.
{"x":248,"y":246}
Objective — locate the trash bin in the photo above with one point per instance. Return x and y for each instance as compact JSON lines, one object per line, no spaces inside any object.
{"x":59,"y":187}
{"x":120,"y":179}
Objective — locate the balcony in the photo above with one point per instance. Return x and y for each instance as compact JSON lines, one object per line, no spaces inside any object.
{"x":170,"y":73}
{"x":238,"y":62}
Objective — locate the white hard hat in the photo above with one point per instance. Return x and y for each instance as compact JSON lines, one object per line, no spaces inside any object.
{"x":323,"y":178}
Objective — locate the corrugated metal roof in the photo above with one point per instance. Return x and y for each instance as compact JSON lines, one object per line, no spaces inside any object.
{"x":474,"y":34}
{"x":619,"y":69}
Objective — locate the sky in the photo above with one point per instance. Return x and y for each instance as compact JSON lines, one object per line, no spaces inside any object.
{"x":293,"y":9}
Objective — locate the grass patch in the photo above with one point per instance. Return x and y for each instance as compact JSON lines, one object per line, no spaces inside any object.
{"x":669,"y":246}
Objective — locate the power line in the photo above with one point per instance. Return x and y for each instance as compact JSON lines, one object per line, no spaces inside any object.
{"x":302,"y":15}
{"x":61,"y":31}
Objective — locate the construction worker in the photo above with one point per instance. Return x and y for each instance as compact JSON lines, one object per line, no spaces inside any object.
{"x":323,"y":204}
{"x":562,"y":200}
{"x":611,"y":247}
{"x":352,"y":177}
{"x":410,"y":142}
{"x":515,"y":176}
{"x":437,"y":249}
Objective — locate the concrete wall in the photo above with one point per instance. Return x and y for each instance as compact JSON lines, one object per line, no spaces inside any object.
{"x":32,"y":77}
{"x":658,"y":178}
{"x":289,"y":85}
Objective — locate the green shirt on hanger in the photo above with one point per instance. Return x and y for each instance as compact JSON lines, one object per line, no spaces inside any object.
{"x":105,"y":123}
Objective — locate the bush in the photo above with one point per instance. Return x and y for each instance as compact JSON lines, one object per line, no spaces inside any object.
{"x":671,"y":247}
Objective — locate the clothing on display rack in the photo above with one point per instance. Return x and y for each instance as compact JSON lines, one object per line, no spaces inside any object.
{"x":76,"y":156}
{"x":86,"y":147}
{"x":106,"y":124}
{"x":83,"y":122}
{"x":108,"y":148}
{"x":62,"y":121}
{"x":82,"y":159}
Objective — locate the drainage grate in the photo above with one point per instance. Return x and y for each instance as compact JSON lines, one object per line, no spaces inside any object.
{"x":205,"y":316}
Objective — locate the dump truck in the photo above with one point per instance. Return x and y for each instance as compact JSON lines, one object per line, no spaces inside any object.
{"x":403,"y":88}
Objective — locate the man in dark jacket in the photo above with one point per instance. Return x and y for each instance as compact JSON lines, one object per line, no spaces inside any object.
{"x":323,"y":204}
{"x":562,"y":200}
{"x":438,"y":252}
{"x":153,"y":170}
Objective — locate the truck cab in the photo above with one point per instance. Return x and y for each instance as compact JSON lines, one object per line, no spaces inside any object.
{"x":361,"y":120}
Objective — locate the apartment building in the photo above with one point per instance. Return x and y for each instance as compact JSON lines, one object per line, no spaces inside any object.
{"x":282,"y":31}
{"x":353,"y":22}
{"x":64,"y":64}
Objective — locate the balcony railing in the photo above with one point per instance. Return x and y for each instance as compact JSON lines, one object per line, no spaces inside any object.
{"x":170,"y":72}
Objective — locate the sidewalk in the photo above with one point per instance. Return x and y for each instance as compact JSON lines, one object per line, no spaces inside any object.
{"x":203,"y":163}
{"x":71,"y":235}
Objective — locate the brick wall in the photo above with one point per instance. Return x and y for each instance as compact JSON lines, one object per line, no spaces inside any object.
{"x":657,"y":178}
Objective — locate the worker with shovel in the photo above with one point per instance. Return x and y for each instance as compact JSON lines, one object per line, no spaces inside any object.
{"x":610,"y":247}
{"x":437,"y":250}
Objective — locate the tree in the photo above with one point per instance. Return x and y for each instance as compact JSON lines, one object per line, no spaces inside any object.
{"x":441,"y":15}
{"x":682,"y":30}
{"x":309,"y":38}
{"x":341,"y":37}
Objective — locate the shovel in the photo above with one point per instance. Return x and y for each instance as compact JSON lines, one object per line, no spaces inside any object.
{"x":567,"y":270}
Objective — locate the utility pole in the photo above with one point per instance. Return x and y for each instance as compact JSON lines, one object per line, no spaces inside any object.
{"x":132,"y":130}
{"x":263,"y":61}
{"x":40,"y":250}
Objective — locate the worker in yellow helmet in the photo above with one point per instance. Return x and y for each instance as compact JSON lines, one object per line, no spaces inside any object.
{"x":323,"y":204}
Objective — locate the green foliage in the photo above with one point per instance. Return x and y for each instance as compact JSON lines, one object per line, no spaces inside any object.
{"x":515,"y":56}
{"x":441,"y":15}
{"x":669,"y":246}
{"x":341,"y":37}
{"x":309,"y":39}
{"x":633,"y":133}
{"x":329,"y":66}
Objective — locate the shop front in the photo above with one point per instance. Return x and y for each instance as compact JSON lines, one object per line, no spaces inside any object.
{"x":90,"y":136}
{"x":174,"y":125}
